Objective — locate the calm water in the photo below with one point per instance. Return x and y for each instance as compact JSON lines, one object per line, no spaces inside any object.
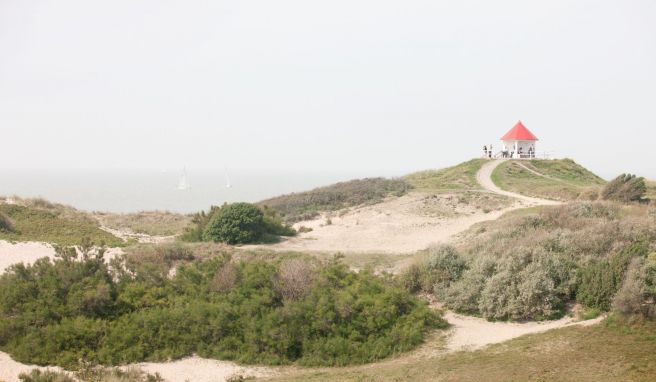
{"x":136,"y":190}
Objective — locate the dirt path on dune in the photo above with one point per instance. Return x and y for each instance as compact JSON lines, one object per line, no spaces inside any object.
{"x":484,"y":178}
{"x":406,"y":224}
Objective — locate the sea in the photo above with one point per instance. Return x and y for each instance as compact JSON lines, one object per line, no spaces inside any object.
{"x":124,"y":191}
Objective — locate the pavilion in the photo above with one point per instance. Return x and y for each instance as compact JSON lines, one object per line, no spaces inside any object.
{"x":519,"y":143}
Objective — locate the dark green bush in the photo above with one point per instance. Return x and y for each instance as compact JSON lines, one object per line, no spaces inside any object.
{"x":5,"y":223}
{"x":63,"y":311}
{"x":237,"y":223}
{"x":625,"y":188}
{"x":601,"y":280}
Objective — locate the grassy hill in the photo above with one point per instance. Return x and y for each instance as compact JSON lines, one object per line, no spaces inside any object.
{"x":559,"y":179}
{"x":40,"y":220}
{"x":455,"y":178}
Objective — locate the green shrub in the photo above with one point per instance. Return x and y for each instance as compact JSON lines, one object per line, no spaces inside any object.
{"x":625,"y":188}
{"x":600,"y":280}
{"x":445,"y":263}
{"x":58,"y":312}
{"x":5,"y":223}
{"x":237,"y":223}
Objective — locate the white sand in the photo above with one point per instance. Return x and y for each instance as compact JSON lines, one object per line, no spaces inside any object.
{"x":198,"y":369}
{"x":126,"y":234}
{"x":395,"y":226}
{"x":10,"y":369}
{"x":29,"y":252}
{"x":470,"y":333}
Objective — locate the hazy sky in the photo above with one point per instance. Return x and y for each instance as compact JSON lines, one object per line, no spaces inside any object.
{"x":389,"y":85}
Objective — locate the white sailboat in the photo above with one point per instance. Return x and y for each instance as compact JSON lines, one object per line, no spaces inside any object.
{"x":228,"y":185}
{"x":183,"y":184}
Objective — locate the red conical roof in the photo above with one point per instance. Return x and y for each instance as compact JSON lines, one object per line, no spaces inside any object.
{"x":519,"y":133}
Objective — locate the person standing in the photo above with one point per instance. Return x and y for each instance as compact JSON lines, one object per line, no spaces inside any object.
{"x":490,"y":151}
{"x":484,"y":151}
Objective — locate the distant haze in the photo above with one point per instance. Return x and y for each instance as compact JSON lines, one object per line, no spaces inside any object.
{"x":356,"y":86}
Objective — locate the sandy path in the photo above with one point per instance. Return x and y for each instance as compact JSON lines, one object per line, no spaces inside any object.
{"x":10,"y":369}
{"x":203,"y":370}
{"x":470,"y":333}
{"x":126,"y":235}
{"x":400,"y":225}
{"x":484,"y":177}
{"x":28,"y":252}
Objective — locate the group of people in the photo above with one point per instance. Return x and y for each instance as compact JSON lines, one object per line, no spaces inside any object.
{"x":505,"y":153}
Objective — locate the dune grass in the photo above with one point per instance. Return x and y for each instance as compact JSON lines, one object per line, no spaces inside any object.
{"x":154,"y":223}
{"x":459,"y":177}
{"x":605,"y":352}
{"x":307,"y":205}
{"x":562,"y":179}
{"x":53,"y":224}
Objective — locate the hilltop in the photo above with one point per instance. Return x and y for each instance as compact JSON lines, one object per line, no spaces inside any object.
{"x":426,"y":207}
{"x":561,"y":179}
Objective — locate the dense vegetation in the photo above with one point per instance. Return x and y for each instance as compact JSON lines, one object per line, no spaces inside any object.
{"x":529,"y":265}
{"x":625,"y":188}
{"x":459,"y":177}
{"x":291,"y":311}
{"x":237,"y":223}
{"x":39,"y":220}
{"x":307,"y":205}
{"x":562,"y":179}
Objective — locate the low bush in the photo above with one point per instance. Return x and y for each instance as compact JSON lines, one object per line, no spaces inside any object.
{"x":61,"y":311}
{"x":5,"y":224}
{"x":237,"y":223}
{"x":444,"y":265}
{"x":625,"y":188}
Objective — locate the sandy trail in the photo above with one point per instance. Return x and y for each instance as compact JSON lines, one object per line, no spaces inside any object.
{"x":400,"y":225}
{"x":126,"y":235}
{"x":203,"y":370}
{"x":471,"y":333}
{"x":484,"y":178}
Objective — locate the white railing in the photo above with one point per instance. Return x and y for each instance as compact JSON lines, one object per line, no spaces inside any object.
{"x":510,"y":155}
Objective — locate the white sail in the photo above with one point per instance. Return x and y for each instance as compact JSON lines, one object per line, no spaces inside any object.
{"x":228,"y":185}
{"x":183,"y":184}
